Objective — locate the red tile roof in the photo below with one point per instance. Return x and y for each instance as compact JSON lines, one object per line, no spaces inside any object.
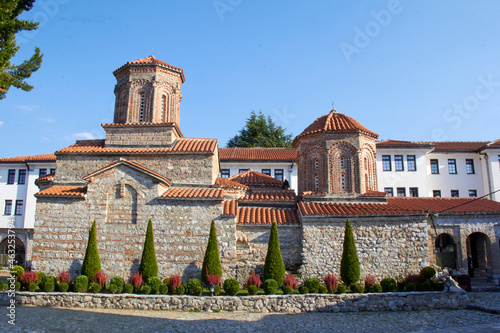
{"x":260,"y":154}
{"x":183,"y":145}
{"x":45,"y":179}
{"x":495,"y":143}
{"x":266,"y":215}
{"x":401,"y":206}
{"x":230,"y":208}
{"x":29,"y":158}
{"x":271,"y":196}
{"x":151,"y":60}
{"x":459,"y":146}
{"x":335,"y":122}
{"x":133,"y":165}
{"x":63,"y":191}
{"x":399,"y":143}
{"x":226,"y":183}
{"x":254,"y":178}
{"x":193,"y":193}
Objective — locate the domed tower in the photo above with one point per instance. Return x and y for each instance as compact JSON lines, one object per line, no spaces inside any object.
{"x":336,"y":157}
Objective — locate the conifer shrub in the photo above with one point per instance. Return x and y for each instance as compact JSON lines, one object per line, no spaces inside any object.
{"x":163,"y":289}
{"x":252,"y":289}
{"x":100,"y":278}
{"x":146,"y":289}
{"x":80,"y":287}
{"x":331,"y":282}
{"x":83,"y":282}
{"x":341,"y":289}
{"x":369,"y":282}
{"x":119,"y":282}
{"x":377,"y":288}
{"x":94,"y":287}
{"x":175,"y":282}
{"x":128,"y":288}
{"x":357,"y":288}
{"x":217,"y":290}
{"x":65,"y":276}
{"x":410,"y":286}
{"x":136,"y":280}
{"x":149,"y":265}
{"x":312,"y":285}
{"x":113,"y":288}
{"x":287,"y":290}
{"x":33,"y":287}
{"x":389,"y":285}
{"x":17,"y":286}
{"x":270,"y":287}
{"x":154,"y":282}
{"x":303,"y":289}
{"x":91,"y":261}
{"x":323,"y":290}
{"x":194,"y":287}
{"x":349,"y":266}
{"x":211,"y":261}
{"x":254,"y":280}
{"x":428,"y":272}
{"x":291,"y":281}
{"x":231,"y":287}
{"x":41,"y":278}
{"x":17,"y":271}
{"x":213,"y":279}
{"x":180,"y":290}
{"x":274,"y":268}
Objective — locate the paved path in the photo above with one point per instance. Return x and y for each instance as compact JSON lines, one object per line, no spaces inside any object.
{"x":39,"y":319}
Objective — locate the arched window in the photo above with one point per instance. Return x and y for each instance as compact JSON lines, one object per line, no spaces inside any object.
{"x":316,"y":164}
{"x":163,"y":108}
{"x":342,"y":181}
{"x":142,"y":107}
{"x":316,"y":183}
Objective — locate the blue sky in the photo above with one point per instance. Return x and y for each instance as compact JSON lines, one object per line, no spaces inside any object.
{"x":408,"y":70}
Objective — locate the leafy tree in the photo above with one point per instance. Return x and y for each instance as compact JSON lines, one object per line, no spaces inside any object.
{"x":91,"y":262}
{"x":211,"y":261}
{"x":349,"y":266}
{"x":274,"y":268}
{"x":149,"y":265}
{"x":261,"y":132}
{"x":10,"y":24}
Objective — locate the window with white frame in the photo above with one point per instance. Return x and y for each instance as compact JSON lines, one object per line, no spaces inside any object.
{"x":414,"y":192}
{"x":224,"y":173}
{"x":452,"y":166}
{"x":19,"y":207}
{"x":473,"y":193}
{"x":22,"y":177}
{"x":278,"y":174}
{"x":389,"y":191}
{"x":42,"y":172}
{"x":412,"y":165}
{"x":386,"y":162}
{"x":267,"y":172}
{"x":398,"y":163}
{"x":8,"y":207}
{"x":401,"y":192}
{"x":11,"y":178}
{"x":435,"y":167}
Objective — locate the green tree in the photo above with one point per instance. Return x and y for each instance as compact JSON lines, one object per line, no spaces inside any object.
{"x":261,"y":132}
{"x":349,"y":266}
{"x":91,"y":262}
{"x":211,"y":261}
{"x":149,"y":265}
{"x":10,"y":24}
{"x":274,"y":268}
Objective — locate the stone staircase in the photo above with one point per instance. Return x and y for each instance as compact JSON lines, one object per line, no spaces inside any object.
{"x":483,"y":283}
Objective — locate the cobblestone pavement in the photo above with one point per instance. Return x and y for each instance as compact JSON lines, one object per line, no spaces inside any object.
{"x":39,"y":319}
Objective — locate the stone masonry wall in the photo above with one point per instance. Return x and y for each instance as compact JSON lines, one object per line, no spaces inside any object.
{"x":386,"y":246}
{"x":146,"y":136}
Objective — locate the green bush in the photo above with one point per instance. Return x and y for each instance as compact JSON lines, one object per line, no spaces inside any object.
{"x":217,"y":290}
{"x":50,"y":278}
{"x":128,"y":288}
{"x":425,"y":286}
{"x":17,"y":286}
{"x":274,"y":268}
{"x":80,"y":287}
{"x":287,"y":290}
{"x":180,"y":290}
{"x":33,"y":287}
{"x":270,"y":286}
{"x":113,"y":288}
{"x":376,"y":288}
{"x":211,"y":261}
{"x":119,"y":282}
{"x":3,"y":286}
{"x":231,"y":286}
{"x":194,"y":287}
{"x":389,"y":285}
{"x":312,"y":285}
{"x":401,"y":285}
{"x":155,"y":283}
{"x":357,"y":288}
{"x":252,"y":290}
{"x":428,"y":272}
{"x":49,"y":287}
{"x":95,"y":287}
{"x":41,"y":278}
{"x":91,"y":261}
{"x":163,"y":289}
{"x":17,"y":271}
{"x":410,"y":286}
{"x":341,"y":289}
{"x":349,"y":265}
{"x":149,"y":265}
{"x":437,"y":285}
{"x":303,"y":289}
{"x":323,"y":290}
{"x":146,"y":289}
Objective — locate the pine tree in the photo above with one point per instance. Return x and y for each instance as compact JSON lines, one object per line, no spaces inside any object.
{"x":211,"y":261}
{"x":149,"y":266}
{"x":91,"y":262}
{"x":274,"y":268}
{"x":349,"y":266}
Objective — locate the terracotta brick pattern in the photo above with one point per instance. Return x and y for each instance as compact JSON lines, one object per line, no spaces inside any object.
{"x":266,"y":215}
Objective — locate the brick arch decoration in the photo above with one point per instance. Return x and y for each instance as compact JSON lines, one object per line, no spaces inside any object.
{"x":310,"y":158}
{"x":368,"y":168}
{"x":137,"y":88}
{"x":165,"y":89}
{"x":348,"y":174}
{"x":121,"y":204}
{"x":121,"y":105}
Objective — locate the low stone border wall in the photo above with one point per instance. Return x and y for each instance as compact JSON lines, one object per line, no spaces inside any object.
{"x":274,"y":303}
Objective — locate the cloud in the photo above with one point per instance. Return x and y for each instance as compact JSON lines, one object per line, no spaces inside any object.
{"x":84,"y":136}
{"x":1,"y":123}
{"x":44,"y":138}
{"x":48,"y":120}
{"x":28,"y":108}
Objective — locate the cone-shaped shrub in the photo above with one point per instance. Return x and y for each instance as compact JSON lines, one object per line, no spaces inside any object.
{"x":349,"y":266}
{"x":211,"y":262}
{"x":149,"y":266}
{"x":91,"y":262}
{"x":274,"y":268}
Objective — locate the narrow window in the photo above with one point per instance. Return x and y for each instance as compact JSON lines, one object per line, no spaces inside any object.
{"x":454,"y":194}
{"x":12,"y":177}
{"x":435,"y":167}
{"x":342,"y":163}
{"x":278,"y":174}
{"x":19,"y":207}
{"x":316,"y":183}
{"x":386,"y":162}
{"x":8,"y":207}
{"x":412,"y":165}
{"x":42,"y":172}
{"x":473,"y":193}
{"x":142,"y":107}
{"x":469,"y":166}
{"x":452,"y":166}
{"x":398,"y":163}
{"x":401,"y":192}
{"x":163,"y":107}
{"x":316,"y":164}
{"x":22,"y":177}
{"x":414,"y":192}
{"x":266,"y":172}
{"x":389,"y":192}
{"x":242,"y":170}
{"x":224,"y":173}
{"x":342,"y":181}
{"x":436,"y":193}
{"x":52,"y":170}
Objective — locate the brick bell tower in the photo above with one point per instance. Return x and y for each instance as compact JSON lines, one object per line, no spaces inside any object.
{"x":147,"y":106}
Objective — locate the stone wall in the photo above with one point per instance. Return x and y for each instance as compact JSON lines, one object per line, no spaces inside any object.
{"x":386,"y":245}
{"x":143,"y":136}
{"x":415,"y":301}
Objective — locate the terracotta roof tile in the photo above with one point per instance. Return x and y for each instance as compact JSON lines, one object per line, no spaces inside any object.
{"x":151,"y":60}
{"x":184,"y":145}
{"x":263,"y":154}
{"x":230,"y":208}
{"x":459,"y":146}
{"x":399,"y":143}
{"x":266,"y":215}
{"x":335,"y":122}
{"x":495,"y":143}
{"x":29,"y":158}
{"x":63,"y":191}
{"x":402,"y":206}
{"x":274,"y":196}
{"x":226,"y":183}
{"x":45,"y":179}
{"x":193,"y":193}
{"x":254,"y":178}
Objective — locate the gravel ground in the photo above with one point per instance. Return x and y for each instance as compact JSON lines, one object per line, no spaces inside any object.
{"x":38,"y":319}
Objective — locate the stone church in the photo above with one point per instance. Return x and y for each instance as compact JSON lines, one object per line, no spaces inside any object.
{"x":146,"y":169}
